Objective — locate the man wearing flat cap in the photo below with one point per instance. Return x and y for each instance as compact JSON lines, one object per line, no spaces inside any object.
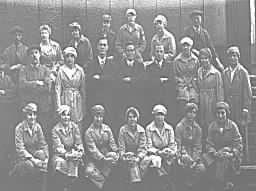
{"x":201,"y":37}
{"x":237,"y":88}
{"x":131,"y":32}
{"x":35,"y":83}
{"x":82,"y":45}
{"x":14,"y":55}
{"x":107,"y":32}
{"x":164,"y":37}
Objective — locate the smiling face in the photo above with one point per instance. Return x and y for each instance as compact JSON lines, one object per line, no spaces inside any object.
{"x":65,"y":117}
{"x":18,"y":36}
{"x":186,"y":48}
{"x":191,"y":114}
{"x":131,"y":18}
{"x":159,"y":119}
{"x":205,"y":61}
{"x":98,"y":119}
{"x":132,"y":119}
{"x":130,"y":52}
{"x":31,"y":117}
{"x":159,"y":52}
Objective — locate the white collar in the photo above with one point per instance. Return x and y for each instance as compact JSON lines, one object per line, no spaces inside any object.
{"x":130,"y":63}
{"x":102,"y":60}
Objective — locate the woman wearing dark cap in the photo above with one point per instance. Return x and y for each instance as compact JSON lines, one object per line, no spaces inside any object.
{"x":188,"y":136}
{"x":14,"y":56}
{"x":132,"y":147}
{"x":31,"y":147}
{"x":161,"y":148}
{"x":67,"y":148}
{"x":210,"y":87}
{"x":102,"y":150}
{"x":224,"y":148}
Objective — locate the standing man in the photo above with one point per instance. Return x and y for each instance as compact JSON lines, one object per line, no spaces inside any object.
{"x":107,"y":32}
{"x":82,"y":45}
{"x":14,"y":55}
{"x":164,"y":37}
{"x":201,"y":38}
{"x":131,"y":32}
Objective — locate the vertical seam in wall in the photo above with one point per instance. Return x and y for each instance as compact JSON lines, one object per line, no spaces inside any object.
{"x":180,"y":17}
{"x":110,"y":7}
{"x":156,"y":8}
{"x":62,"y":21}
{"x":204,"y":18}
{"x":39,"y":12}
{"x":85,"y":13}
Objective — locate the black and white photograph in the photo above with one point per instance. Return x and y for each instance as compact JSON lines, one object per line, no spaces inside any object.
{"x":127,"y":95}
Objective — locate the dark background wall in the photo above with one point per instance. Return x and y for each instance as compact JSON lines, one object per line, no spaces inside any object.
{"x":226,"y":20}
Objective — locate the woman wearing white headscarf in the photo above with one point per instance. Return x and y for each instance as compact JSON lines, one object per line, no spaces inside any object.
{"x":70,"y":86}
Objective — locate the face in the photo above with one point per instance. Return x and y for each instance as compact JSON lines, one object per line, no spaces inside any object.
{"x":131,"y":18}
{"x":31,"y":117}
{"x":159,"y":118}
{"x":132,"y":119}
{"x":221,"y":115}
{"x":191,"y":115}
{"x":159,"y":26}
{"x":18,"y":36}
{"x":106,"y":24}
{"x":197,"y":20}
{"x":233,"y":59}
{"x":186,"y":48}
{"x":65,"y":117}
{"x":69,"y":59}
{"x":75,"y":33}
{"x":102,"y":46}
{"x":205,"y":61}
{"x":159,"y":52}
{"x":130,"y":52}
{"x":45,"y":35}
{"x":98,"y":119}
{"x":35,"y":56}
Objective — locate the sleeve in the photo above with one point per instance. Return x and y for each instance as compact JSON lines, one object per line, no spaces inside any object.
{"x":121,"y":142}
{"x":219,"y":88}
{"x":118,"y":42}
{"x":42,"y":143}
{"x":5,"y":58}
{"x":141,"y":151}
{"x":152,"y":48}
{"x":237,"y":141}
{"x":149,"y":140}
{"x":210,"y":143}
{"x":91,"y":146}
{"x":78,"y":140}
{"x":57,"y":145}
{"x":9,"y":87}
{"x":171,"y":52}
{"x":197,"y":147}
{"x":23,"y":79}
{"x":210,"y":44}
{"x":58,"y":89}
{"x":59,"y":57}
{"x":180,"y":82}
{"x":172,"y":144}
{"x":83,"y":90}
{"x":88,"y":55}
{"x":112,"y":142}
{"x":178,"y":137}
{"x":247,"y":92}
{"x":19,"y":143}
{"x":143,"y":42}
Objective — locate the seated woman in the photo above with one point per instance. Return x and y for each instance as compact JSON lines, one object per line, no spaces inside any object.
{"x":132,"y":147}
{"x":188,"y":136}
{"x":161,"y":149}
{"x":102,"y":150}
{"x":224,"y":148}
{"x":31,"y":148}
{"x":67,"y":149}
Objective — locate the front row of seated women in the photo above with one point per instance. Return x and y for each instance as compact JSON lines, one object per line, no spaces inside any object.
{"x":154,"y":158}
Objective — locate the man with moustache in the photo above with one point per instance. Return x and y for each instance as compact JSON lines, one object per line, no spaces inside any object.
{"x":82,"y":45}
